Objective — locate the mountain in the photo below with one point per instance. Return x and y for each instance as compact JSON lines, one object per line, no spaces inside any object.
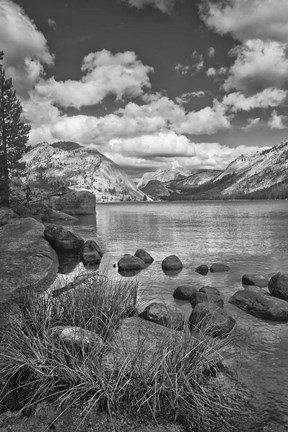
{"x":68,"y":164}
{"x":165,"y":175}
{"x":263,"y":174}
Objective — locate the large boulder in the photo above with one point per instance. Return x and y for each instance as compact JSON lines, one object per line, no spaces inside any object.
{"x":254,"y":279}
{"x":200,"y":297}
{"x":202,"y":269}
{"x":62,"y":239}
{"x":261,"y":304}
{"x":172,"y":263}
{"x":278,"y":286}
{"x":184,"y":292}
{"x":27,"y":260}
{"x":144,"y":256}
{"x":219,"y":268}
{"x":163,"y":314}
{"x":210,"y":319}
{"x":130,"y":263}
{"x":74,"y":202}
{"x":91,"y":254}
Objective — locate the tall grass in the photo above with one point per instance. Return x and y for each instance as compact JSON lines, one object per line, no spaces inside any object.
{"x":171,"y":379}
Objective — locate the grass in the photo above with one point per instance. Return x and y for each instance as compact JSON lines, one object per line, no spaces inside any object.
{"x":176,"y":382}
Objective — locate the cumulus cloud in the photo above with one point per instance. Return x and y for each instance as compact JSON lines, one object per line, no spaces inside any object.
{"x":182,"y":69}
{"x":25,"y":48}
{"x":52,"y":23}
{"x":211,"y":52}
{"x":165,"y":6}
{"x":196,"y":65}
{"x":277,"y":121}
{"x":258,"y":65}
{"x":252,"y":123}
{"x":248,"y":19}
{"x":185,"y":98}
{"x":270,"y":97}
{"x":105,"y":73}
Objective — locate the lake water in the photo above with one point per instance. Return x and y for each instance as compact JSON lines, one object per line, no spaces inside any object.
{"x":249,"y":236}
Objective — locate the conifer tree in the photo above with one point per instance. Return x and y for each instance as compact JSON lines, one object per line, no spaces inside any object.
{"x":13,"y":135}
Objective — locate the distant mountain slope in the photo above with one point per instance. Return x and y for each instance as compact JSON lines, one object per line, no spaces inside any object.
{"x":199,"y":177}
{"x":68,"y":164}
{"x":165,"y":175}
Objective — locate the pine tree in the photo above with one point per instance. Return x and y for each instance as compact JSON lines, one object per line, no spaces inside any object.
{"x":13,"y":135}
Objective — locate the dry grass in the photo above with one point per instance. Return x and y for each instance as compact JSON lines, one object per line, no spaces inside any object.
{"x":177,"y":383}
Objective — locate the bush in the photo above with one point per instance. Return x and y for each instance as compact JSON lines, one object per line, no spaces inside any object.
{"x":178,"y":382}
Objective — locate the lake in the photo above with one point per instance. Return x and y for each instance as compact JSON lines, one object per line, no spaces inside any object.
{"x":249,"y":236}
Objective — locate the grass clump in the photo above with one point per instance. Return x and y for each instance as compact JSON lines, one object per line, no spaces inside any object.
{"x":167,"y":376}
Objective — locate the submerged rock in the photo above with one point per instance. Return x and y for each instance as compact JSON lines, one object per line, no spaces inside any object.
{"x":210,"y":319}
{"x":254,"y":279}
{"x":163,"y":314}
{"x":219,"y":267}
{"x":202,"y":269}
{"x":172,"y":263}
{"x":209,"y":290}
{"x":27,"y":261}
{"x":201,"y":297}
{"x":278,"y":286}
{"x":144,"y":256}
{"x":62,"y":239}
{"x":261,"y":305}
{"x":184,"y":292}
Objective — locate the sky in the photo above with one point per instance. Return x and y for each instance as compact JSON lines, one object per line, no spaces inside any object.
{"x":152,"y":84}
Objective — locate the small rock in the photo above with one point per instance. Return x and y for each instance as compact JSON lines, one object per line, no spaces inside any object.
{"x":144,"y":256}
{"x":77,"y":336}
{"x":130,"y":263}
{"x":184,"y":292}
{"x":162,"y":314}
{"x":278,"y":286}
{"x":90,"y":254}
{"x":62,"y":239}
{"x":172,"y":263}
{"x":202,"y":269}
{"x":219,"y":267}
{"x":254,"y":279}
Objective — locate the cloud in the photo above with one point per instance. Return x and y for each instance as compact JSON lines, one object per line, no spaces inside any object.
{"x":252,"y":123}
{"x":105,"y":73}
{"x":258,"y":65}
{"x":25,"y":48}
{"x":197,"y":64}
{"x":270,"y":97}
{"x":277,"y":121}
{"x":185,"y":98}
{"x":211,"y":52}
{"x":248,"y":19}
{"x":165,"y":6}
{"x":52,"y":23}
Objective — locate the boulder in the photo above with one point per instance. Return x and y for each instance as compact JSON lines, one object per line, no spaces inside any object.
{"x":200,"y":297}
{"x":210,"y":319}
{"x":209,"y":290}
{"x":90,"y":254}
{"x":62,"y":239}
{"x":278,"y":286}
{"x":6,"y":214}
{"x":202,"y":269}
{"x":261,"y":305}
{"x":77,"y":336}
{"x":27,"y":261}
{"x":219,"y":267}
{"x":163,"y":314}
{"x":74,"y":202}
{"x":144,"y":256}
{"x":184,"y":292}
{"x":172,"y":263}
{"x":254,"y":279}
{"x":130,"y":263}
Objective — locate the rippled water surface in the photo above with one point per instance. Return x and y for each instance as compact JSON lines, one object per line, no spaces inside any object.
{"x":252,"y":237}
